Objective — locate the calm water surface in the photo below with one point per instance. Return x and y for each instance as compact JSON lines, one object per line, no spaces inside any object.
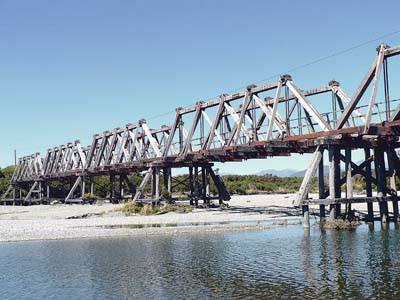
{"x":279,"y":263}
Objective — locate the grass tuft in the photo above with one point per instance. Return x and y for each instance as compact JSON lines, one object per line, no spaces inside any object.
{"x":131,"y":208}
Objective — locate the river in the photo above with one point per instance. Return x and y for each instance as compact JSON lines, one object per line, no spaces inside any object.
{"x":286,"y":262}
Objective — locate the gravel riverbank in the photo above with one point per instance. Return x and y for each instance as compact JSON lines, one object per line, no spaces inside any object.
{"x":44,"y":222}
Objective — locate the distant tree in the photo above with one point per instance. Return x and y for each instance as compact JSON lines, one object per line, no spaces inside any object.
{"x":5,"y":178}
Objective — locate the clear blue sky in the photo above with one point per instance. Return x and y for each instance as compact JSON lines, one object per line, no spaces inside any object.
{"x":69,"y":69}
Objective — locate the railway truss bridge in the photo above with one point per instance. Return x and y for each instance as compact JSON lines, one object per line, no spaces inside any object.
{"x":273,"y":119}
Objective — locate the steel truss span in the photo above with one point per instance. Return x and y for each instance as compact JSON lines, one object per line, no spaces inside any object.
{"x":273,"y":119}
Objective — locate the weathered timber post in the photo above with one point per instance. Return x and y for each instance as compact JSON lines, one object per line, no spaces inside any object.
{"x":91,"y":185}
{"x":349,"y":180}
{"x":112,"y":187}
{"x":379,"y":162}
{"x":337,"y":181}
{"x":332,"y":182}
{"x":321,"y":185}
{"x":157,"y":191}
{"x":393,"y":189}
{"x":196,"y":185}
{"x":47,"y":190}
{"x":156,"y":184}
{"x":191,"y":188}
{"x":306,"y":216}
{"x":83,"y":186}
{"x":203,"y":185}
{"x":40,"y":191}
{"x":168,"y":180}
{"x":368,"y":185}
{"x":121,"y":186}
{"x":206,"y":185}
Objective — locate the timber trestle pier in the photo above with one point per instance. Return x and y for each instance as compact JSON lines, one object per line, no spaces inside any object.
{"x":357,"y":137}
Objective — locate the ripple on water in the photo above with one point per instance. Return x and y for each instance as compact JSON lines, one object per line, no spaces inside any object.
{"x":279,"y":263}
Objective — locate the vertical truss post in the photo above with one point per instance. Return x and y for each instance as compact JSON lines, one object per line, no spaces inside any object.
{"x":287,"y":118}
{"x":334,"y":110}
{"x":321,"y":184}
{"x":386,"y":88}
{"x":299,"y":119}
{"x":274,"y":109}
{"x":379,"y":163}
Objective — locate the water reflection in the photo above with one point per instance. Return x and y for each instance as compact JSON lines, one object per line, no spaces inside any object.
{"x":280,"y":263}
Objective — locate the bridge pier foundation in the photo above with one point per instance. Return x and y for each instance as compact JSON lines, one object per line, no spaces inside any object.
{"x":382,"y":175}
{"x":306,"y":216}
